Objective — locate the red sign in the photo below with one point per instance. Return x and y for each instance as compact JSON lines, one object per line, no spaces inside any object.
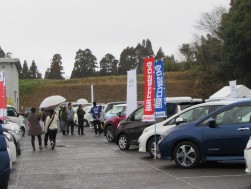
{"x":3,"y":104}
{"x":148,"y":114}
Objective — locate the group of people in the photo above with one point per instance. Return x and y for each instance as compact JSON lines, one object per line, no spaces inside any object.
{"x":66,"y":121}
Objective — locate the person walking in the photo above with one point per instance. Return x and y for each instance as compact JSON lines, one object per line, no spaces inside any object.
{"x":34,"y":129}
{"x":44,"y":116}
{"x":80,"y":113}
{"x":63,"y":121}
{"x":96,"y":112}
{"x":70,"y":119}
{"x":52,"y":125}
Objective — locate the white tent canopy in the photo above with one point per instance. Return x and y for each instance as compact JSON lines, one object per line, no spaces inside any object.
{"x":242,"y":92}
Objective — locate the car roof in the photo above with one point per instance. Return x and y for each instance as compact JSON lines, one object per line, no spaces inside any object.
{"x":182,"y":99}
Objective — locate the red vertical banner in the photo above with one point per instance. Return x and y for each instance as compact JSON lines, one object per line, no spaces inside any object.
{"x":2,"y":104}
{"x":148,"y":114}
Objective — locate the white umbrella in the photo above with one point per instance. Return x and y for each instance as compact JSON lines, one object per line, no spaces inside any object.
{"x":51,"y":101}
{"x":82,"y":101}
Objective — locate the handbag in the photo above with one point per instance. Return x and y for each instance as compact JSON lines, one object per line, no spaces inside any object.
{"x":50,"y":123}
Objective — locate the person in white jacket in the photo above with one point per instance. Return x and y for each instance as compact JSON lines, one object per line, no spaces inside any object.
{"x":51,"y":126}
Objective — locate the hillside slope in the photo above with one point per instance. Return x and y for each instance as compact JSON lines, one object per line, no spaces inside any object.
{"x":110,"y":88}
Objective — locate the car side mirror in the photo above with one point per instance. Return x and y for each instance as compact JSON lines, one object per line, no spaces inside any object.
{"x":179,"y":120}
{"x":212,"y":123}
{"x":119,"y":114}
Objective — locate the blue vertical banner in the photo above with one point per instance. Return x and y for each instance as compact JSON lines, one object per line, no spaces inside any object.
{"x":160,"y":107}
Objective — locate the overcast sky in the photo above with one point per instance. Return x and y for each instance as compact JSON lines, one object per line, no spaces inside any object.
{"x":38,"y":29}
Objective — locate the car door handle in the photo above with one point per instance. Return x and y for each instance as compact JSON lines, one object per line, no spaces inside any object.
{"x":243,"y":129}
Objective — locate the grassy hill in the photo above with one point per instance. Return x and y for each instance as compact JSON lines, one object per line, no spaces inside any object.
{"x":111,"y":88}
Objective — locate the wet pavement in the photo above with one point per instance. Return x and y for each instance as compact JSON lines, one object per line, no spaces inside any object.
{"x":89,"y":161}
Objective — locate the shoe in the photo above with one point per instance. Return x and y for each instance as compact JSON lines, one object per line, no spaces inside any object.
{"x":34,"y":149}
{"x":40,"y":148}
{"x":82,"y":133}
{"x":72,"y":134}
{"x":45,"y":146}
{"x":52,"y":145}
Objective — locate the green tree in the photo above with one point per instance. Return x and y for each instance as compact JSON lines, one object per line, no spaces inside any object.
{"x":160,"y":54}
{"x":33,"y":70}
{"x":2,"y":54}
{"x":55,"y":71}
{"x":25,"y":71}
{"x":108,"y":65}
{"x":128,"y":60}
{"x":85,"y":64}
{"x":236,"y":33}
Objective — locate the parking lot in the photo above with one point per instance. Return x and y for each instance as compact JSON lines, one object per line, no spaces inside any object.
{"x":89,"y":161}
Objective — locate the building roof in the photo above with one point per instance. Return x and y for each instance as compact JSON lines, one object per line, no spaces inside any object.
{"x":12,"y":60}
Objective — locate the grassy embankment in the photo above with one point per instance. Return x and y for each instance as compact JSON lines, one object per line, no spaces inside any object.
{"x":110,"y":88}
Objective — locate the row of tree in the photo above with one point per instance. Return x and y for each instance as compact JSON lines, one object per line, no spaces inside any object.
{"x":223,"y":53}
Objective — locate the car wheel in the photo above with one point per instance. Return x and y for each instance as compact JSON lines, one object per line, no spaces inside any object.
{"x":109,"y":133}
{"x":22,"y":131}
{"x":151,"y":149}
{"x":123,"y":142}
{"x":85,"y":124}
{"x":186,"y":154}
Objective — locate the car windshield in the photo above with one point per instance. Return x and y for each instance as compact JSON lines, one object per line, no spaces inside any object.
{"x":117,"y":109}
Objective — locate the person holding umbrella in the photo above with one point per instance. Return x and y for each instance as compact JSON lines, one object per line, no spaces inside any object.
{"x":34,"y":129}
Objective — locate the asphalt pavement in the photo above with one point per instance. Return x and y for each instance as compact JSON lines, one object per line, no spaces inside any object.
{"x":89,"y":161}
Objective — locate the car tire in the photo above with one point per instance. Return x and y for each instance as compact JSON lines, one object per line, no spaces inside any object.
{"x":22,"y":128}
{"x":85,"y":124}
{"x":150,"y":147}
{"x":123,"y":142}
{"x":186,"y":154}
{"x":109,"y":133}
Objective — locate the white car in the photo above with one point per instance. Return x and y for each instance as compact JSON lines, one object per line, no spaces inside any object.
{"x":247,"y":155}
{"x":15,"y":117}
{"x":11,"y":145}
{"x":193,"y":113}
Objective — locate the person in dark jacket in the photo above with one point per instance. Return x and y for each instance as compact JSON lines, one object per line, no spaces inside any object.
{"x":63,"y":120}
{"x":34,"y":129}
{"x":80,"y":113}
{"x":96,"y":112}
{"x":4,"y":161}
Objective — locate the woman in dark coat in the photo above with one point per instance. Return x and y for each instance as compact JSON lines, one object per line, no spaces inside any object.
{"x":34,"y":129}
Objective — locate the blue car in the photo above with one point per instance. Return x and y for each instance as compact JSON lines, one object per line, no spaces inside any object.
{"x":4,"y":162}
{"x":220,"y":136}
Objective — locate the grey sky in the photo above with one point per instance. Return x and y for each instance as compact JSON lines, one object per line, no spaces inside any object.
{"x":38,"y":29}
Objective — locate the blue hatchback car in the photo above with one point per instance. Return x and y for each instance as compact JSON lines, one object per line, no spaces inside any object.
{"x":220,"y":136}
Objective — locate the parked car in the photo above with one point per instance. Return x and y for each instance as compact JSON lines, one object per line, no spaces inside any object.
{"x":117,"y":108}
{"x":15,"y":117}
{"x":147,"y":141}
{"x":5,"y":161}
{"x":14,"y":129}
{"x":111,"y":124}
{"x":130,"y":129}
{"x":11,"y":145}
{"x":247,"y":155}
{"x":219,"y":136}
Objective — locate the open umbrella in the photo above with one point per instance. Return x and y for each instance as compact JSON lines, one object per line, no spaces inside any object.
{"x":51,"y":101}
{"x":82,"y":101}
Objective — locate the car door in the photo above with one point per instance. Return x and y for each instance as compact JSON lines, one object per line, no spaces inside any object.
{"x":230,"y":134}
{"x":136,"y":126}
